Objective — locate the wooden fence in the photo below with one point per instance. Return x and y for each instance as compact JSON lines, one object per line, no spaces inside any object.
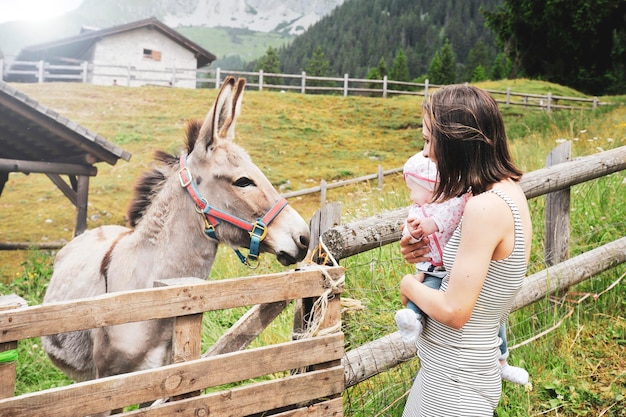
{"x":356,"y":237}
{"x":40,"y":71}
{"x":313,"y":391}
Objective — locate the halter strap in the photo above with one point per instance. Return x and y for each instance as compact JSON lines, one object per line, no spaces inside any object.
{"x":212,"y":216}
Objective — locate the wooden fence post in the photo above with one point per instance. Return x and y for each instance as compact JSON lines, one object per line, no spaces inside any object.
{"x":260,"y":80}
{"x":426,"y":89}
{"x":217,"y":78}
{"x":385,"y":86}
{"x":323,"y":219}
{"x":40,"y":66}
{"x":303,"y":85}
{"x":557,"y":212}
{"x":85,"y":71}
{"x":345,"y":85}
{"x":549,"y":100}
{"x":8,"y":350}
{"x":187,"y":332}
{"x":381,"y":175}
{"x":82,"y":196}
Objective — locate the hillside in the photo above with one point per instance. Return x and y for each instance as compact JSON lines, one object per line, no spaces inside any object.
{"x":359,"y":33}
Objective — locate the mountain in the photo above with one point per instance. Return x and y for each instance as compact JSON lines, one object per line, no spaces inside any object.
{"x":288,"y":18}
{"x":293,"y":17}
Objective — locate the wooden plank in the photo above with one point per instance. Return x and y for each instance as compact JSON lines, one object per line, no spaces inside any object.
{"x":138,"y":387}
{"x":247,"y":328}
{"x":153,"y":303}
{"x":257,"y":398}
{"x":330,"y":408}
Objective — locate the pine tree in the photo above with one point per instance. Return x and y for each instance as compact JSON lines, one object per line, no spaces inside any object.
{"x":382,"y":68}
{"x":479,"y":74}
{"x":400,"y":68}
{"x":270,"y":63}
{"x":501,"y":67}
{"x":317,"y":66}
{"x":442,"y":69}
{"x":478,"y":55}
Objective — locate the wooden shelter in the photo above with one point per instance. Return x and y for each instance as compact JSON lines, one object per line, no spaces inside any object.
{"x":36,"y":139}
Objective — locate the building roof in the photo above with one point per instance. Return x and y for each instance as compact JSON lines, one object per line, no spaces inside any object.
{"x":30,"y":131}
{"x":69,"y":49}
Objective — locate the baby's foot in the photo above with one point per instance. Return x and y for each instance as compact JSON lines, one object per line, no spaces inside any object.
{"x":514,"y":374}
{"x":409,"y":325}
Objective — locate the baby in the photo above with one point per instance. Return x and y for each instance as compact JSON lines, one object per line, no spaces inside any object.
{"x":437,"y":220}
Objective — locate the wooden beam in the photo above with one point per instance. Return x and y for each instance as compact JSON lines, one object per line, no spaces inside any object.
{"x":16,"y":165}
{"x":65,"y":189}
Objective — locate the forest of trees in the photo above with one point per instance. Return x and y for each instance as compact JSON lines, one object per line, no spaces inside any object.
{"x":578,"y":43}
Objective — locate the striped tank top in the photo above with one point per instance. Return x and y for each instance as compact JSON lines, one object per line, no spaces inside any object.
{"x":459,"y":373}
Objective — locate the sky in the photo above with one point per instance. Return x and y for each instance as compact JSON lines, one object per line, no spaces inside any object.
{"x":35,"y":9}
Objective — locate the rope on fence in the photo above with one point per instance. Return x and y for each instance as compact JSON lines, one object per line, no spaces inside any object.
{"x":320,"y":306}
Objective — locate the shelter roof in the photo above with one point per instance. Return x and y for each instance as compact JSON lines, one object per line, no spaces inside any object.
{"x":74,"y":46}
{"x":30,"y":131}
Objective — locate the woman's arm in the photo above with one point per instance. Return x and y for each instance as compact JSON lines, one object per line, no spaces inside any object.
{"x":482,"y":230}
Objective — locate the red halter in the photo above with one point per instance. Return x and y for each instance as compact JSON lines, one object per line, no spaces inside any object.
{"x":212,"y":216}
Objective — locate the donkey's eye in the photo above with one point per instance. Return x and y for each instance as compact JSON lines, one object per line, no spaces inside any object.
{"x":244,"y":182}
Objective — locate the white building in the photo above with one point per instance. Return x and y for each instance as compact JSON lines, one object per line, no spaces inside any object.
{"x":134,"y":54}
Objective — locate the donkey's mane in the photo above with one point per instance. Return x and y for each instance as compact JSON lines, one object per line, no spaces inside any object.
{"x":151,"y":182}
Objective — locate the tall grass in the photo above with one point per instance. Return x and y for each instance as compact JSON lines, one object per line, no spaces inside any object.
{"x":578,"y":368}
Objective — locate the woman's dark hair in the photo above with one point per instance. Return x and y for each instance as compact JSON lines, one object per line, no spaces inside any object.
{"x":468,"y":140}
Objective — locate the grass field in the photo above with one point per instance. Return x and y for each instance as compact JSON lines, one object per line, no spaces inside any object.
{"x":577,"y":369}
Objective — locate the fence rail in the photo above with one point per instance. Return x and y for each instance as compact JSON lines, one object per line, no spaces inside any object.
{"x":40,"y":71}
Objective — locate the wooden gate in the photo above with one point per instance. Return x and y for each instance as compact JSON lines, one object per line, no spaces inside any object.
{"x":306,"y":375}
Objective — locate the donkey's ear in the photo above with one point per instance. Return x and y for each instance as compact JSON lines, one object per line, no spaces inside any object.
{"x":228,"y":129}
{"x":219,"y":123}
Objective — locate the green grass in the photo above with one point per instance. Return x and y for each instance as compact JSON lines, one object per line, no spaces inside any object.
{"x":222,"y":41}
{"x":577,"y":369}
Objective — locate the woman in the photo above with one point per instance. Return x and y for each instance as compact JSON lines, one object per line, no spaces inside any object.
{"x":486,"y":257}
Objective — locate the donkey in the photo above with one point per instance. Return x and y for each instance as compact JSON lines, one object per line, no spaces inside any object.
{"x":180,"y":211}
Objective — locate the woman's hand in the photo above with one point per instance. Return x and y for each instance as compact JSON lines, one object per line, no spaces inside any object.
{"x":414,"y":252}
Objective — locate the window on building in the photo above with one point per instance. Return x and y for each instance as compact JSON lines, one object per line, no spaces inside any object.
{"x":152,"y":54}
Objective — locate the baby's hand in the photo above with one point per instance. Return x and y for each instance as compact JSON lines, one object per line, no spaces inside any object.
{"x":412,"y":228}
{"x":429,"y":226}
{"x":418,"y":228}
